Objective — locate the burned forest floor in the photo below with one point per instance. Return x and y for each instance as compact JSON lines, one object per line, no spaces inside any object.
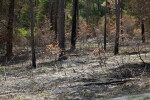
{"x":85,"y":75}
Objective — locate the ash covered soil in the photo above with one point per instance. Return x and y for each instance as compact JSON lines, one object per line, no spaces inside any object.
{"x":83,"y":76}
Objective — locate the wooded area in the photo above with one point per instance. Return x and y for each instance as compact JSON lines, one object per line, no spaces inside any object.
{"x":91,"y":49}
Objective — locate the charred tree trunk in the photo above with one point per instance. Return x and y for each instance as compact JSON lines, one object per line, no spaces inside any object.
{"x":1,"y":5}
{"x":36,"y":2}
{"x":50,"y":14}
{"x":78,"y":15}
{"x":143,"y":31}
{"x":61,"y":30}
{"x":105,"y":26}
{"x":9,"y":45}
{"x":98,"y":5}
{"x":87,"y":12}
{"x":32,"y":34}
{"x":56,"y":16}
{"x":74,"y":24}
{"x":117,"y":4}
{"x":122,"y":19}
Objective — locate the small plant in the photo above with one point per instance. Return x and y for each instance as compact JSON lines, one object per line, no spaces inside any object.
{"x":146,"y":98}
{"x":58,"y":64}
{"x":43,"y":95}
{"x":45,"y":68}
{"x":4,"y":69}
{"x":83,"y":94}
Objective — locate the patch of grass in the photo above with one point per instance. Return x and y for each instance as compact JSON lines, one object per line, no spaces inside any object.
{"x":43,"y":95}
{"x":45,"y":68}
{"x":144,"y":98}
{"x":83,"y":94}
{"x":21,"y":98}
{"x":58,"y":64}
{"x":4,"y":69}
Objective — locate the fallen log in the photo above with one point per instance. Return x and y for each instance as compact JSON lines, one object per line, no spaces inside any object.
{"x":9,"y":92}
{"x":114,"y":82}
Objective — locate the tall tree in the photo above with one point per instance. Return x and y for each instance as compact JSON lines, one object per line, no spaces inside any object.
{"x":32,"y":34}
{"x":78,"y":8}
{"x":56,"y":16}
{"x":36,"y":2}
{"x":117,"y":5}
{"x":121,"y":15}
{"x":87,"y":11}
{"x":9,"y":45}
{"x":61,"y":29}
{"x":50,"y":13}
{"x":105,"y":26}
{"x":143,"y":31}
{"x":74,"y":24}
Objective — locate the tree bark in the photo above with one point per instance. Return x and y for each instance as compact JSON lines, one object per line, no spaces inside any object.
{"x":143,"y":31}
{"x":122,"y":19}
{"x":117,"y":4}
{"x":50,"y":14}
{"x":74,"y":24}
{"x":9,"y":45}
{"x":98,"y":3}
{"x":56,"y":16}
{"x":61,"y":28}
{"x":105,"y":26}
{"x":87,"y":12}
{"x":36,"y":2}
{"x":32,"y":34}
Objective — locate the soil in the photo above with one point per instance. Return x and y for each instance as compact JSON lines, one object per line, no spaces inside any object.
{"x":83,"y":76}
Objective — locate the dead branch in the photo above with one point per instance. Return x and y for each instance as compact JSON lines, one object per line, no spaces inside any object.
{"x":111,"y":82}
{"x":8,"y":92}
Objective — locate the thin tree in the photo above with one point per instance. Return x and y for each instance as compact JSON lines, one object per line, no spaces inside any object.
{"x":78,"y":8}
{"x":143,"y":31}
{"x":32,"y":34}
{"x":117,"y":4}
{"x":50,"y":13}
{"x":74,"y":24}
{"x":56,"y":16}
{"x":121,"y":15}
{"x":87,"y":12}
{"x":98,"y":5}
{"x":105,"y":26}
{"x":61,"y":29}
{"x":36,"y":2}
{"x":9,"y":45}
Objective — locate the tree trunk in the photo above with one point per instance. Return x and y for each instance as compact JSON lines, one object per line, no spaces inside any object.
{"x":56,"y":16}
{"x":32,"y":34}
{"x":74,"y":24}
{"x":9,"y":45}
{"x":122,"y":19}
{"x":36,"y":2}
{"x":98,"y":5}
{"x":78,"y":16}
{"x":105,"y":26}
{"x":117,"y":4}
{"x":143,"y":31}
{"x":61,"y":28}
{"x":50,"y":14}
{"x":1,"y":5}
{"x":87,"y":12}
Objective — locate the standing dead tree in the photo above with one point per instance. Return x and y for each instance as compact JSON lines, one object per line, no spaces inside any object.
{"x":32,"y":34}
{"x":117,"y":4}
